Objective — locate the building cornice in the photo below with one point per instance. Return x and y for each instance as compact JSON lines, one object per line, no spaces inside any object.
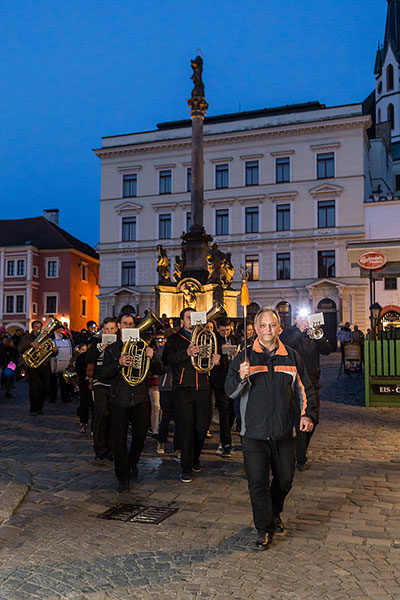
{"x":326,"y":189}
{"x":361,"y":121}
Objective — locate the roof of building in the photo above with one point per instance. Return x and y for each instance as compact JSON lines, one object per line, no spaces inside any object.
{"x":392,"y":35}
{"x":41,"y":233}
{"x":248,"y":114}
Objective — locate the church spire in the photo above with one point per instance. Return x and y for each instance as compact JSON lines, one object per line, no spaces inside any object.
{"x":392,"y":31}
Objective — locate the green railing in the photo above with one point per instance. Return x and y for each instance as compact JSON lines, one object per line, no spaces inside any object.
{"x":382,"y":370}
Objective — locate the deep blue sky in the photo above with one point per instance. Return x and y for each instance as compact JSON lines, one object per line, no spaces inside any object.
{"x":76,"y":70}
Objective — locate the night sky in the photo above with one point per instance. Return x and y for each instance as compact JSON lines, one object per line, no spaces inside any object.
{"x":76,"y":70}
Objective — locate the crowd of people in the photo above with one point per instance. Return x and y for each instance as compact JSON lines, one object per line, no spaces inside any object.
{"x":264,"y":383}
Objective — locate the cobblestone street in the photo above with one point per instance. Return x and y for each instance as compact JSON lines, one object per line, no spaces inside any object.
{"x":342,"y":515}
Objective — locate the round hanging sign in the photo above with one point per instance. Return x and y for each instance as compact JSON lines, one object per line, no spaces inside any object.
{"x":372,"y":260}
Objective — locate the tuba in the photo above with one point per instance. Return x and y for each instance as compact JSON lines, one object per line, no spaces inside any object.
{"x":137,"y":371}
{"x":35,"y":357}
{"x":206,"y":340}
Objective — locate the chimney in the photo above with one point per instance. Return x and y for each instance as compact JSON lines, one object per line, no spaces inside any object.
{"x":51,"y":214}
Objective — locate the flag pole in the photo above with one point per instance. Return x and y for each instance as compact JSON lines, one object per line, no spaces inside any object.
{"x":244,"y":301}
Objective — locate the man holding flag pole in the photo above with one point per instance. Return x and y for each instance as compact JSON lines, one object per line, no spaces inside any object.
{"x":273,"y":388}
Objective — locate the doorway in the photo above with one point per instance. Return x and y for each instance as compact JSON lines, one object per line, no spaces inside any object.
{"x":329,"y":310}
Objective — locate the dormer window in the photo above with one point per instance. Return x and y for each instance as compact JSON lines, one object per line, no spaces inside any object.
{"x":389,"y":78}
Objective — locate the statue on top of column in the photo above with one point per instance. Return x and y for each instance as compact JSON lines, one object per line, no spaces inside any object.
{"x":197,"y":66}
{"x":164,"y":275}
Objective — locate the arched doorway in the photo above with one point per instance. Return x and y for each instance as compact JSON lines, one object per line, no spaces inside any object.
{"x":127,"y":310}
{"x":285,"y":312}
{"x":328,"y":307}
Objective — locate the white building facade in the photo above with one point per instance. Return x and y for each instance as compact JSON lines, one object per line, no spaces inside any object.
{"x":284,"y":190}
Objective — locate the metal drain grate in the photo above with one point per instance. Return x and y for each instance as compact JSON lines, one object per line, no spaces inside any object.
{"x":136,"y":513}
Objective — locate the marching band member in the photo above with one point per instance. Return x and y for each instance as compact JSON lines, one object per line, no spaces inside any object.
{"x":191,"y":395}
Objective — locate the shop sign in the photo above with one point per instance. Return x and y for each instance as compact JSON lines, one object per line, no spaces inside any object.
{"x":383,"y":390}
{"x":372,"y":260}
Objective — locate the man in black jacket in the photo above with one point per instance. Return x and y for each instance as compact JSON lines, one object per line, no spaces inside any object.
{"x":129,"y":405}
{"x":273,"y":387}
{"x":191,"y":395}
{"x":226,"y":348}
{"x":310,"y":350}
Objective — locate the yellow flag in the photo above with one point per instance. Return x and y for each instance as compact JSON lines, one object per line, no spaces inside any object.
{"x":244,"y":295}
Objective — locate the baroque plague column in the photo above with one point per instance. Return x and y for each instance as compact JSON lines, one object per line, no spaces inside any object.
{"x":202,"y":274}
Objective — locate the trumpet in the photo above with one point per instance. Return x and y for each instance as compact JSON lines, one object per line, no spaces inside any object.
{"x":314,"y":329}
{"x":206,"y":340}
{"x":137,"y":371}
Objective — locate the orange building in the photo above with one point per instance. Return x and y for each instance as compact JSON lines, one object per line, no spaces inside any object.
{"x":44,"y":272}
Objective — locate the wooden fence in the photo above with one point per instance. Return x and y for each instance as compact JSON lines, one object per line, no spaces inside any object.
{"x":382,"y":370}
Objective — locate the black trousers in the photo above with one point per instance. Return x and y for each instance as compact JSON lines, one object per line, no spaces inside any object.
{"x":39,"y":386}
{"x":85,"y":403}
{"x":167,"y":415}
{"x":303,"y":438}
{"x":139,"y":418}
{"x":263,"y":458}
{"x":57,"y":380}
{"x":101,"y":420}
{"x":193,"y":411}
{"x":226,"y":416}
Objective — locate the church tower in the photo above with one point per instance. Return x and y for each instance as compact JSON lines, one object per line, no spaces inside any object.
{"x":387,"y":74}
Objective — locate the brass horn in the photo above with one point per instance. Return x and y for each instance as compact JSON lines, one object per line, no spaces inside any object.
{"x":137,"y":371}
{"x":35,"y":357}
{"x":206,"y":340}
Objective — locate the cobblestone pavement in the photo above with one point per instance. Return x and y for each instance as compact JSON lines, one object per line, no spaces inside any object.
{"x":343,"y":515}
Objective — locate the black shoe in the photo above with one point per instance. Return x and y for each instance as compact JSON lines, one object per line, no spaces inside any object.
{"x":264,"y":540}
{"x":8,"y":395}
{"x":186,"y":477}
{"x":99,"y":460}
{"x":34,"y":413}
{"x":133,"y":472}
{"x":227,"y":452}
{"x":197,"y":467}
{"x":302,"y":466}
{"x":123,"y":486}
{"x":40,"y":412}
{"x":279,"y":526}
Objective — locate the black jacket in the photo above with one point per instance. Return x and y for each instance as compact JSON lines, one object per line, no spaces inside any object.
{"x":123,"y":394}
{"x":277,"y":392}
{"x":308,"y":349}
{"x":184,"y":375}
{"x":95,"y":356}
{"x":219,"y":372}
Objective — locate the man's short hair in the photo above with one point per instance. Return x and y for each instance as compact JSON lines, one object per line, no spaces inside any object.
{"x":125,"y":315}
{"x":36,"y":321}
{"x":110,"y":320}
{"x":266,"y":309}
{"x":185,"y":310}
{"x":89,"y":323}
{"x":224,"y":322}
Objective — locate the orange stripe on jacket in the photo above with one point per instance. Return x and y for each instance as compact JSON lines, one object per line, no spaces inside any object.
{"x":303,"y":393}
{"x":285,"y":368}
{"x":180,"y":381}
{"x":281,"y":351}
{"x":258,"y":369}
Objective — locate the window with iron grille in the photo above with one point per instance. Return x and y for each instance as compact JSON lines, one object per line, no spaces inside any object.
{"x":251,"y":172}
{"x":222,"y":221}
{"x":325,"y":165}
{"x":164,"y":227}
{"x":51,"y":305}
{"x":221,"y":176}
{"x":129,"y":229}
{"x":326,"y":263}
{"x":128,"y":275}
{"x":165,"y":182}
{"x":283,"y":265}
{"x":326,"y":213}
{"x":283,"y":217}
{"x":129,"y":186}
{"x":252,"y":219}
{"x":20,"y":302}
{"x":282,"y":169}
{"x":252,"y":266}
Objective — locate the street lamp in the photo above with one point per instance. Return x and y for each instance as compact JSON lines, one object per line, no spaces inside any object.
{"x":375,"y":309}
